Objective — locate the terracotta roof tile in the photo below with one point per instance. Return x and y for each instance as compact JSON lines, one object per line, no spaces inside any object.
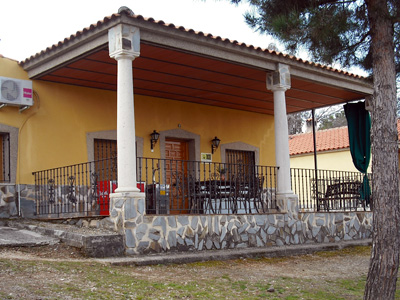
{"x":191,"y":31}
{"x":329,"y":139}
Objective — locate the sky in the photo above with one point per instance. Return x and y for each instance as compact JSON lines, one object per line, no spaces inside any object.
{"x":28,"y":26}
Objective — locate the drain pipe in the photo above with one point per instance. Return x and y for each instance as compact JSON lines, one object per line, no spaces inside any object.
{"x":19,"y":200}
{"x":315,"y":157}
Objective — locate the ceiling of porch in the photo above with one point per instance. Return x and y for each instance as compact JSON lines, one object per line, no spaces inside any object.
{"x":165,"y":71}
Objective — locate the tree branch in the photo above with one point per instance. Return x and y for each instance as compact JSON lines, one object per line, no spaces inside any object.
{"x":355,"y":45}
{"x":324,"y":2}
{"x":364,"y":37}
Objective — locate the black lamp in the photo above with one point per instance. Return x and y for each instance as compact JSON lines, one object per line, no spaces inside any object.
{"x":214,"y":144}
{"x":154,"y":138}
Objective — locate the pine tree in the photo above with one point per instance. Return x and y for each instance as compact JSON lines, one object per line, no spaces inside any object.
{"x":365,"y":33}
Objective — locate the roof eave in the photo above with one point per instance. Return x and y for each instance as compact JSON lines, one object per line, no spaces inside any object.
{"x":170,"y":36}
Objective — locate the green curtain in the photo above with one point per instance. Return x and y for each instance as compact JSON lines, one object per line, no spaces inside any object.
{"x":359,"y":127}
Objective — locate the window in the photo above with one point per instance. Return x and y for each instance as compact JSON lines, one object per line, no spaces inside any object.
{"x":105,"y":156}
{"x":8,"y":153}
{"x":4,"y":157}
{"x":240,"y":163}
{"x":109,"y":135}
{"x":104,"y":149}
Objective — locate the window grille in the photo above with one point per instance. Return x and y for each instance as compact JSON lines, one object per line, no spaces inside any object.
{"x":105,"y":156}
{"x":240,"y":163}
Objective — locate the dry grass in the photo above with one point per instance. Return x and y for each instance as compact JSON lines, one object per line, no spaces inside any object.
{"x":325,"y":275}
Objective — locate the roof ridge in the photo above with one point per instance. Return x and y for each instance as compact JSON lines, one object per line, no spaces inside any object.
{"x":322,"y":130}
{"x":334,"y":128}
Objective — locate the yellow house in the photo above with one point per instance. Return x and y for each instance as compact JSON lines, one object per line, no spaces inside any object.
{"x":197,"y":117}
{"x":333,"y":150}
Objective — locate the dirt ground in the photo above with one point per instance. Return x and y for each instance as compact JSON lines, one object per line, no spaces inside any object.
{"x":326,"y":265}
{"x":63,"y":272}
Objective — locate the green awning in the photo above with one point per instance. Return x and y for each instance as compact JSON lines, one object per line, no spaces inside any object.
{"x":359,"y":127}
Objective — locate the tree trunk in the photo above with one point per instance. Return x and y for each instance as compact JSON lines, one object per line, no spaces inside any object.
{"x":384,"y":263}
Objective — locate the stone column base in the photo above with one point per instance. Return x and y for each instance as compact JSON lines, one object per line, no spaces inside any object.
{"x":288,"y":203}
{"x":126,"y":212}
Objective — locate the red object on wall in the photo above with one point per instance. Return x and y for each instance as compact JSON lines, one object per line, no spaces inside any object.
{"x":104,"y":189}
{"x":140,"y":186}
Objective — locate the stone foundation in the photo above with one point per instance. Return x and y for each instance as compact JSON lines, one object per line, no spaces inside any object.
{"x":62,"y":207}
{"x":153,"y":234}
{"x":8,"y":201}
{"x":27,"y":201}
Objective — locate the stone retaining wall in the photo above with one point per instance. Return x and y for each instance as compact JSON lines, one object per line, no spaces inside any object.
{"x":147,"y":234}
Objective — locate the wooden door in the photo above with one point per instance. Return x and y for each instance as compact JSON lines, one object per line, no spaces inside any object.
{"x":176,"y":153}
{"x":105,"y":155}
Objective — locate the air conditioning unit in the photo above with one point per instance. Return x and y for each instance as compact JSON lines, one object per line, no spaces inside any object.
{"x":16,"y":92}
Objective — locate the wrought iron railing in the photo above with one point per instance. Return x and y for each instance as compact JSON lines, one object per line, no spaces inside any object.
{"x":327,"y":190}
{"x":75,"y":190}
{"x":194,"y":187}
{"x":170,"y":187}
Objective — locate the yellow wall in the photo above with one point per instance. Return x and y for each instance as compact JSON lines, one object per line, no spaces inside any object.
{"x":207,"y":121}
{"x":334,"y":160}
{"x":52,"y":133}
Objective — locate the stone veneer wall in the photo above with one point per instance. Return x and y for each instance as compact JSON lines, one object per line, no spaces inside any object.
{"x":9,"y":200}
{"x":147,"y":234}
{"x":8,"y":205}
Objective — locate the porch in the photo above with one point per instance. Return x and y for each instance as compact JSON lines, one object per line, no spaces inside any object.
{"x":177,"y":187}
{"x":208,"y":212}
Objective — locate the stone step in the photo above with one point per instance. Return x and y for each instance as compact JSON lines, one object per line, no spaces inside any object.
{"x":92,"y":245}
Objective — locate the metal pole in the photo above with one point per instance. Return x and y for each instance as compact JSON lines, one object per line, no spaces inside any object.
{"x":315,"y":157}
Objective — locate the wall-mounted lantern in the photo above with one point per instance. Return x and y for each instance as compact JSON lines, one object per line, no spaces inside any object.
{"x":153,"y":140}
{"x":214,"y":144}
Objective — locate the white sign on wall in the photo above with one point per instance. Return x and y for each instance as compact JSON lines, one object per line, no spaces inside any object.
{"x":206,"y":157}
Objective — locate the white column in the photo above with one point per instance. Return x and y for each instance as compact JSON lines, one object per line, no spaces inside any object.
{"x":124,"y":46}
{"x":281,"y":142}
{"x":279,"y":82}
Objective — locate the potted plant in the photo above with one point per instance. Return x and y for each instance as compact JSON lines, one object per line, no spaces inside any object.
{"x":222,"y":173}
